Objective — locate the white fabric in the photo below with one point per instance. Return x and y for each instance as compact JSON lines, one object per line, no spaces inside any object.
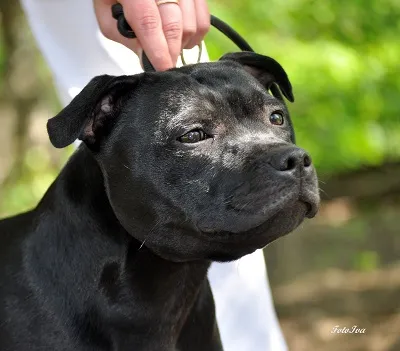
{"x":69,"y":38}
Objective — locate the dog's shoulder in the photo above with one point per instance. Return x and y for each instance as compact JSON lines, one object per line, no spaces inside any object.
{"x":15,"y":228}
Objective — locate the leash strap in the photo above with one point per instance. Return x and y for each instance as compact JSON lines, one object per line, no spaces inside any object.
{"x":224,"y":28}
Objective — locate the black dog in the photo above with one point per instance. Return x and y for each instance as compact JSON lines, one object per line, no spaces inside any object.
{"x":176,"y":169}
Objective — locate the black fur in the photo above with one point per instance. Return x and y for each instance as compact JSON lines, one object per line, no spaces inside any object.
{"x":115,"y":256}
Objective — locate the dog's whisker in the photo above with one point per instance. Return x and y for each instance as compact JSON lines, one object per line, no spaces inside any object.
{"x":151,"y":231}
{"x":323,"y":191}
{"x":142,"y":244}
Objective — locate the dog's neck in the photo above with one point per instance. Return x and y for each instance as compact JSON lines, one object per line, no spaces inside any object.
{"x":122,"y":285}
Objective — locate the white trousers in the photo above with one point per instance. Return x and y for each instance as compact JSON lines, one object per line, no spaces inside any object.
{"x":69,"y":38}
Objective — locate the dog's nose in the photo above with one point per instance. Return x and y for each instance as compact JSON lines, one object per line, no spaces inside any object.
{"x":290,"y":158}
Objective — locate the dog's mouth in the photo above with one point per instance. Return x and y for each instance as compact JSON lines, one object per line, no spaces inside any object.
{"x":312,"y":208}
{"x":310,"y":213}
{"x":223,"y":235}
{"x":233,"y":243}
{"x":257,"y":204}
{"x":242,"y":219}
{"x":311,"y":202}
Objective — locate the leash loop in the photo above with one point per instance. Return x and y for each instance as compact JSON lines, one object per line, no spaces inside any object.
{"x":200,"y":46}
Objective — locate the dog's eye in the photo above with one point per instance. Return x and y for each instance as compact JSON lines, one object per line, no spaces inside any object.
{"x":276,"y":119}
{"x":193,"y":136}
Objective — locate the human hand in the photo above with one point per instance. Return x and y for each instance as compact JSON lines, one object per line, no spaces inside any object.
{"x":162,"y":30}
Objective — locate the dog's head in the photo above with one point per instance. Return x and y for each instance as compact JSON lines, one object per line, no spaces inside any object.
{"x":198,"y":162}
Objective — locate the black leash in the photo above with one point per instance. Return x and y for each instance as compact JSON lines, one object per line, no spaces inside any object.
{"x":126,"y":31}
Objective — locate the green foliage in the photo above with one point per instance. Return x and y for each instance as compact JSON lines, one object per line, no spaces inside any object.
{"x":38,"y":172}
{"x":366,"y":261}
{"x":342,"y":59}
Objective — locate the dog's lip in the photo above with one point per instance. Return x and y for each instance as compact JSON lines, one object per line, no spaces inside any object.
{"x":311,"y":200}
{"x":260,"y":200}
{"x":286,"y":200}
{"x":252,"y":236}
{"x":311,"y":211}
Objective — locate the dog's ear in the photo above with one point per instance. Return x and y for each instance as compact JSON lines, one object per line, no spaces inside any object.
{"x":91,"y":114}
{"x":268,"y":71}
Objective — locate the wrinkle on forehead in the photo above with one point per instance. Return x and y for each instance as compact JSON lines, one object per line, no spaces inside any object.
{"x":215,"y":99}
{"x":258,"y":137}
{"x":186,"y":107}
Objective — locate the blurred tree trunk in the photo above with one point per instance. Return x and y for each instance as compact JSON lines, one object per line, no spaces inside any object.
{"x":365,"y":183}
{"x":20,"y":87}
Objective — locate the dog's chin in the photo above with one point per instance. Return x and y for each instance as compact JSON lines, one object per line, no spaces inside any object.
{"x":226,"y":245}
{"x":237,"y":245}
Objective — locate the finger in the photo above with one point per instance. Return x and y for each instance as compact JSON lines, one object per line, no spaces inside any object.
{"x":203,"y":23}
{"x":144,"y":18}
{"x":189,"y":21}
{"x":171,"y":18}
{"x":108,"y":25}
